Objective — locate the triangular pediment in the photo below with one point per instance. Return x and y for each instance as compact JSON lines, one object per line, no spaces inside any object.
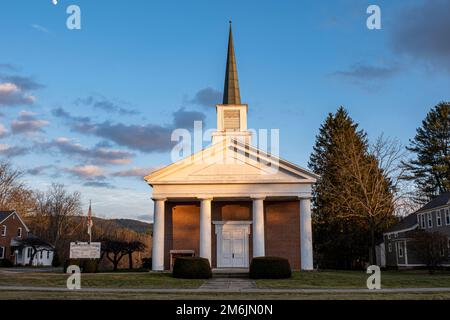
{"x":230,"y":161}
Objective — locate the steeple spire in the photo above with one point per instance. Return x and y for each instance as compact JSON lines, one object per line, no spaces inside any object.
{"x":231,"y":93}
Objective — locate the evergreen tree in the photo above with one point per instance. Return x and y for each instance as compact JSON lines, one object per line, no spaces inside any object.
{"x":353,"y":198}
{"x":430,"y":169}
{"x":339,"y":243}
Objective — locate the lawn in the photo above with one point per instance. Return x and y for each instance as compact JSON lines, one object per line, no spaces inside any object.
{"x":99,"y":280}
{"x":357,"y":279}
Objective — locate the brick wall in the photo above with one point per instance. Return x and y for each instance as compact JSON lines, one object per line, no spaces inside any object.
{"x":282,"y":230}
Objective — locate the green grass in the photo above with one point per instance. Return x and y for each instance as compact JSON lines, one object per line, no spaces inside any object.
{"x":99,"y":280}
{"x":36,"y":295}
{"x":357,"y":279}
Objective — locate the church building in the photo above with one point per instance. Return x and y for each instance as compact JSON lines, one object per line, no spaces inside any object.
{"x":231,"y":201}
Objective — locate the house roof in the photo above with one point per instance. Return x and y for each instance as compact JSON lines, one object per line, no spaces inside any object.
{"x":406,"y":223}
{"x":411,"y":220}
{"x":5,"y":214}
{"x":251,"y":160}
{"x":439,"y":201}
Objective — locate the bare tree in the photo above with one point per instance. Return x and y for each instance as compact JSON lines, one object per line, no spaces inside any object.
{"x":368,"y":192}
{"x":58,"y":207}
{"x":431,"y":247}
{"x":13,"y":193}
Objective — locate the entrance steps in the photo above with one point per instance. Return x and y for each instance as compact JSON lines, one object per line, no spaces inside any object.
{"x":230,"y":273}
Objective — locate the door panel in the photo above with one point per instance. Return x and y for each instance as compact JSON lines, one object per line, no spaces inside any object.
{"x":238,"y":248}
{"x":227,"y":249}
{"x":234,"y":248}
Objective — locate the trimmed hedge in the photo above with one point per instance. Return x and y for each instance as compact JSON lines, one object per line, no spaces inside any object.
{"x":86,"y":265}
{"x":270,"y":268}
{"x":147,"y":263}
{"x":5,"y":263}
{"x":192,"y":268}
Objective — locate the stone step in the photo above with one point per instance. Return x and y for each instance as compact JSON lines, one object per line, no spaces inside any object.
{"x":230,"y":273}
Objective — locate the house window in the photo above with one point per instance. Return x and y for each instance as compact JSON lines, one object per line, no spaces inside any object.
{"x":447,"y":217}
{"x":2,"y":252}
{"x":28,"y":252}
{"x":48,"y":255}
{"x":389,"y":236}
{"x":396,"y":235}
{"x":390,"y":246}
{"x":400,"y":249}
{"x":3,"y":231}
{"x":430,"y":220}
{"x":40,"y":255}
{"x":439,"y":218}
{"x":422,"y":221}
{"x":19,"y":232}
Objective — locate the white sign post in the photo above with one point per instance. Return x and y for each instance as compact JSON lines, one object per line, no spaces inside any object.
{"x":85,"y":250}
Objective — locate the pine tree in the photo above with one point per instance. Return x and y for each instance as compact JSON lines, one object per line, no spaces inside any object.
{"x":339,"y":242}
{"x":353,"y":197}
{"x":430,"y":169}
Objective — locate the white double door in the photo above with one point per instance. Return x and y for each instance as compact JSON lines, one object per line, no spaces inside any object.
{"x":232,"y":246}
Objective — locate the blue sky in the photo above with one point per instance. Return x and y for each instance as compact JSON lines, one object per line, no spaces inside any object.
{"x":93,"y":108}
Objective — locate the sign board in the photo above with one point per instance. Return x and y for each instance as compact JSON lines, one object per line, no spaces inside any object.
{"x":85,"y":250}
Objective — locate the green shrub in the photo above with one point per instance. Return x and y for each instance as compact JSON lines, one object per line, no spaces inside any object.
{"x":86,"y":265}
{"x":89,"y":266}
{"x":5,"y":263}
{"x":147,"y":263}
{"x":71,"y":262}
{"x":56,"y":262}
{"x":270,"y":268}
{"x":192,"y":268}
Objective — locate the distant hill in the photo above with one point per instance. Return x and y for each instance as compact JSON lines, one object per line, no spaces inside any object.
{"x":135,"y":225}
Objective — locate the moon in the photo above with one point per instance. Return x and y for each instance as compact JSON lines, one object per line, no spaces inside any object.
{"x":55,"y":2}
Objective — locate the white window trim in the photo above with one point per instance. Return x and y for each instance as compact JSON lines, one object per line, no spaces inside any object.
{"x":400,"y":250}
{"x":3,"y":252}
{"x":429,"y":220}
{"x":4,"y":230}
{"x":447,"y":215}
{"x":19,"y":232}
{"x":423,"y":222}
{"x":439,"y":218}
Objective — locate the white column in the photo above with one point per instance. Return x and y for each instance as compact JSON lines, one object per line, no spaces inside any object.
{"x":158,"y":235}
{"x":205,"y":228}
{"x":258,"y":227}
{"x":306,"y":251}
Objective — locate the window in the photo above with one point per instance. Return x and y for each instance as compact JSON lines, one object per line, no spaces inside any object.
{"x":2,"y":252}
{"x":396,"y":235}
{"x":400,"y":249}
{"x":447,"y":217}
{"x":422,"y":221}
{"x":3,"y":231}
{"x":389,"y":236}
{"x":48,"y":255}
{"x":430,"y":220}
{"x":439,"y":218}
{"x":28,"y":252}
{"x":40,"y":255}
{"x":19,"y":232}
{"x":390,"y":247}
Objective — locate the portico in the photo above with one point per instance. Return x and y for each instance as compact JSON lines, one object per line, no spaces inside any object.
{"x":232,"y":201}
